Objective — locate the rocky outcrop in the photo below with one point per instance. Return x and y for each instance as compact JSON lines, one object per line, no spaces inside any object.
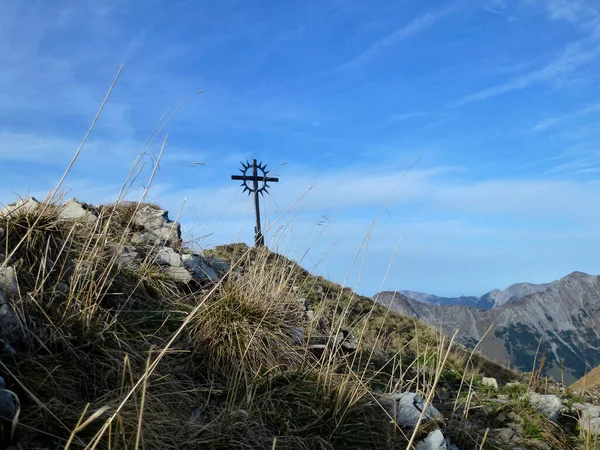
{"x":158,"y":228}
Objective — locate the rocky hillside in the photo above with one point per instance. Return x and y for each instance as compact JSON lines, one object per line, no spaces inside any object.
{"x":563,"y":319}
{"x":492,"y":299}
{"x":115,"y":335}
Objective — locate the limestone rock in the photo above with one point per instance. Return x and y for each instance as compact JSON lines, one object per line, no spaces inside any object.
{"x":166,"y":256}
{"x":490,"y":382}
{"x":548,"y":405}
{"x":406,"y":408}
{"x":10,"y":326}
{"x":199,"y":268}
{"x":589,"y":418}
{"x":180,"y":274}
{"x":24,"y":205}
{"x":74,"y":210}
{"x":6,"y":349}
{"x":434,"y":441}
{"x":8,"y":410}
{"x":505,"y":434}
{"x":126,"y":253}
{"x":156,"y":222}
{"x":297,"y":335}
{"x":8,"y":281}
{"x":221,"y":267}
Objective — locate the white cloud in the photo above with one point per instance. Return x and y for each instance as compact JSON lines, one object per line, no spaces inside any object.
{"x":572,"y":58}
{"x":577,"y":12}
{"x":415,"y":26}
{"x":552,"y":121}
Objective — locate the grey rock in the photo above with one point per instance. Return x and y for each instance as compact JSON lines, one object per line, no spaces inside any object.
{"x":490,"y":382}
{"x":406,"y":408}
{"x":8,"y":281}
{"x":6,"y":349}
{"x":450,"y":446}
{"x":434,"y":441}
{"x":10,"y":326}
{"x":166,"y":256}
{"x":199,"y":268}
{"x":297,"y":335}
{"x":156,"y":222}
{"x":589,"y":418}
{"x":548,"y":405}
{"x":74,"y":210}
{"x":8,"y":407}
{"x":126,"y":253}
{"x":24,"y":205}
{"x":180,"y":274}
{"x":221,"y":267}
{"x":505,"y":434}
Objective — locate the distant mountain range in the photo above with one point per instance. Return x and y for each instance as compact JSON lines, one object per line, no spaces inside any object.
{"x":563,"y":317}
{"x":492,"y":299}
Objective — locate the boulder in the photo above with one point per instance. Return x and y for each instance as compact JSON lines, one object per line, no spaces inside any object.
{"x":8,"y":410}
{"x":297,"y":335}
{"x":160,"y":230}
{"x":74,"y":210}
{"x":6,"y":349}
{"x":490,"y":382}
{"x":24,"y":205}
{"x":166,"y":256}
{"x":406,"y":409}
{"x":10,"y":326}
{"x":589,"y":418}
{"x":126,"y":253}
{"x":8,"y":281}
{"x":221,"y":267}
{"x":434,"y":441}
{"x":548,"y":405}
{"x":180,"y":274}
{"x":199,"y":268}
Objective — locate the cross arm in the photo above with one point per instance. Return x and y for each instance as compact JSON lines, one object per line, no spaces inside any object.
{"x":250,"y":178}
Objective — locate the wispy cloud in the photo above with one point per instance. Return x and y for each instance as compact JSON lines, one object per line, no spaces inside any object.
{"x":578,"y":12}
{"x":552,"y":121}
{"x":417,"y":25}
{"x":572,"y":58}
{"x":398,"y":118}
{"x":495,"y":6}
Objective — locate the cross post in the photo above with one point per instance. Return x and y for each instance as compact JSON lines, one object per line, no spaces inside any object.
{"x":259,"y":186}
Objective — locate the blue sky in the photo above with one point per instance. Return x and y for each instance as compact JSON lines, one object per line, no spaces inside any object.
{"x":497,"y":102}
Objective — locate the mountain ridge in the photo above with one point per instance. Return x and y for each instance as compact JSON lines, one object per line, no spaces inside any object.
{"x":489,"y":300}
{"x":563,"y":319}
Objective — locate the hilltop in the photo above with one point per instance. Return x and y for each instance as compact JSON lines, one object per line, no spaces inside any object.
{"x":116,"y":335}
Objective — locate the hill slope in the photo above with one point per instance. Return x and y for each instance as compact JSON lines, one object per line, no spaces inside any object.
{"x":565,"y":317}
{"x":590,"y":380}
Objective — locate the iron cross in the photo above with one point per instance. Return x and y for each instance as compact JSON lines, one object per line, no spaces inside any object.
{"x":260,"y":185}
